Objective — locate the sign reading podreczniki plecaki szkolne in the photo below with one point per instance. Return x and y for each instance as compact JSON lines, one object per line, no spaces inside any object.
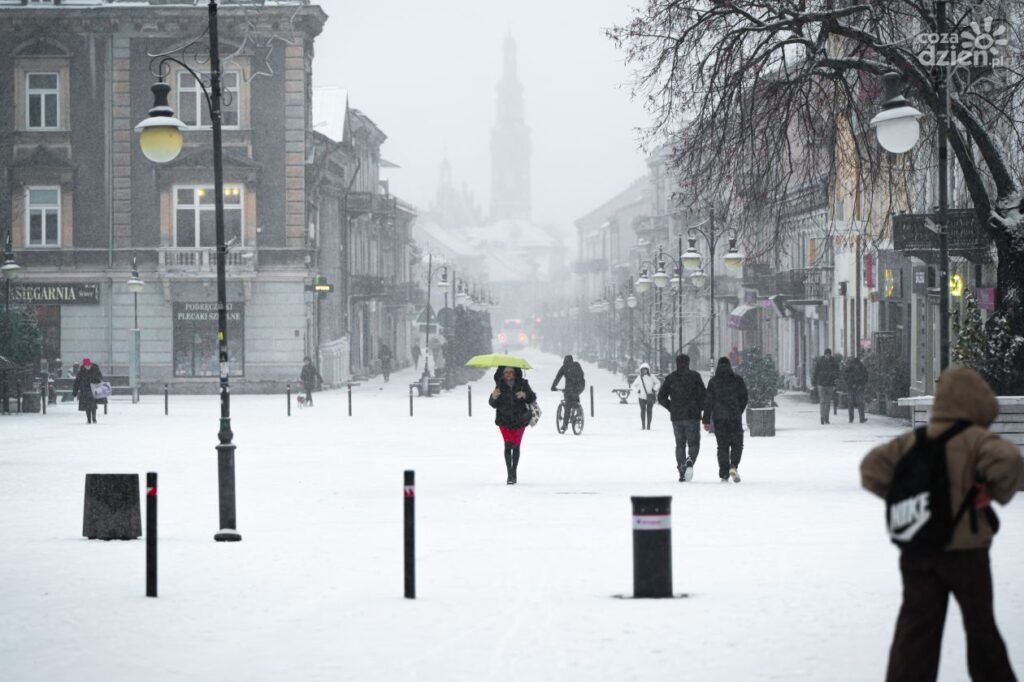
{"x":51,"y":293}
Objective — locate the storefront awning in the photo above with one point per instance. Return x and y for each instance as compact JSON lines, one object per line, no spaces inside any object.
{"x":741,"y":314}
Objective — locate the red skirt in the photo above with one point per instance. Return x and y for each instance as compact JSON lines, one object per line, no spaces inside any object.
{"x":514,"y":436}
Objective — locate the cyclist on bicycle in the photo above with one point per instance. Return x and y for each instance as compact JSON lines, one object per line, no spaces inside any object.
{"x":575,"y":382}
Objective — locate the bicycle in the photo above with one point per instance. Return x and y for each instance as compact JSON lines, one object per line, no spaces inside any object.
{"x":575,"y":415}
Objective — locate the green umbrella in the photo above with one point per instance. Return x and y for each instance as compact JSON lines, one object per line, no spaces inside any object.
{"x":498,"y":360}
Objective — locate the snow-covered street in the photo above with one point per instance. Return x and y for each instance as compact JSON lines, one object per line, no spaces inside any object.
{"x":790,"y":573}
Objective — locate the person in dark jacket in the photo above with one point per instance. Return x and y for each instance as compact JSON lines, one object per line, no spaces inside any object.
{"x":88,"y":374}
{"x":385,"y":361}
{"x":855,"y":375}
{"x":824,"y":379}
{"x":724,"y":404}
{"x":510,"y":399}
{"x":415,"y":355}
{"x":311,"y":379}
{"x":682,"y":394}
{"x":575,"y":382}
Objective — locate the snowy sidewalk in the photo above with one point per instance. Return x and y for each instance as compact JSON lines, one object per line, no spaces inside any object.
{"x":790,"y":572}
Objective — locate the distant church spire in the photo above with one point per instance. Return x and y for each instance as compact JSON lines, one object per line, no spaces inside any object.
{"x":510,"y":145}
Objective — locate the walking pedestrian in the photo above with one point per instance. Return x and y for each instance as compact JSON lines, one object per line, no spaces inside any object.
{"x":415,"y":355}
{"x":311,"y":379}
{"x":510,"y":399}
{"x":824,"y":378}
{"x":88,"y":374}
{"x":575,"y":382}
{"x":723,"y":407}
{"x":385,"y":361}
{"x":980,"y":466}
{"x":855,"y":375}
{"x":682,"y":394}
{"x":645,"y":386}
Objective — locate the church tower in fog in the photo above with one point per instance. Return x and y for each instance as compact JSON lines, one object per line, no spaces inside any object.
{"x":510,"y":146}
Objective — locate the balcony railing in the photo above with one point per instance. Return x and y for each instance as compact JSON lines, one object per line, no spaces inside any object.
{"x":912,"y":235}
{"x":203,"y":260}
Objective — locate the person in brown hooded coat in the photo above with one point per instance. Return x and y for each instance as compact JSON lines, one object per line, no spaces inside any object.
{"x":974,"y":457}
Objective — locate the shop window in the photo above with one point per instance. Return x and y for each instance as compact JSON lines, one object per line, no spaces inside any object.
{"x":42,"y":92}
{"x":42,"y":216}
{"x":192,"y":108}
{"x":195,"y":216}
{"x":195,"y":339}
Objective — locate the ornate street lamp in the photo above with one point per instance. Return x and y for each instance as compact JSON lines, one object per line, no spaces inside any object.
{"x":692,"y":259}
{"x":161,"y":140}
{"x":10,"y":269}
{"x":898,"y":130}
{"x":135,"y":285}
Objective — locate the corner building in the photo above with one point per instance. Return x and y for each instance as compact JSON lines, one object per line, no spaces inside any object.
{"x":81,"y":201}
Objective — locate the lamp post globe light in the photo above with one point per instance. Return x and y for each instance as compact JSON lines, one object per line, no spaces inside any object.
{"x":733,"y":259}
{"x":161,"y":140}
{"x":898,"y":130}
{"x":643,"y":282}
{"x":10,"y":269}
{"x":896,"y":125}
{"x":135,"y":285}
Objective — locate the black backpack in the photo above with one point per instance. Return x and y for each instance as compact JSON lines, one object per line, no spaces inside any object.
{"x":917,"y":508}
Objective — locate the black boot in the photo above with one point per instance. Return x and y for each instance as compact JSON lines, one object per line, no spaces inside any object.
{"x":88,"y":417}
{"x":508,"y":464}
{"x":515,"y":462}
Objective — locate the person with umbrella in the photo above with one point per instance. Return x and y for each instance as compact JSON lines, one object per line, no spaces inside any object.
{"x":511,"y":400}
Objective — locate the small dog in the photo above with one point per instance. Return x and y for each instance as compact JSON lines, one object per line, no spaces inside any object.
{"x":301,"y":399}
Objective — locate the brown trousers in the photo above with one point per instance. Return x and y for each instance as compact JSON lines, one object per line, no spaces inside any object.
{"x":928,"y":578}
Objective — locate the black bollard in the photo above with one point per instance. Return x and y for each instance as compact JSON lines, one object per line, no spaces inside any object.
{"x":591,"y":401}
{"x":652,"y":547}
{"x":469,"y":397}
{"x":44,"y":390}
{"x":410,"y":401}
{"x":151,"y":534}
{"x":17,"y":388}
{"x":288,"y":389}
{"x":350,"y":400}
{"x":409,"y":493}
{"x":165,"y":400}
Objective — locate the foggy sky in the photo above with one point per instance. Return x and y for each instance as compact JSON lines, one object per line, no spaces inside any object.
{"x":427,"y":71}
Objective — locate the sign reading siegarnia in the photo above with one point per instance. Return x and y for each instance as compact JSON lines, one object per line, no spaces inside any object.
{"x":46,"y":293}
{"x":979,"y":45}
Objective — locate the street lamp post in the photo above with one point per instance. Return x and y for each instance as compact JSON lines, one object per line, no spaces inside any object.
{"x":135,"y":285}
{"x":661,"y":280}
{"x":733,"y":259}
{"x":161,"y":141}
{"x":898,"y":130}
{"x":10,"y":269}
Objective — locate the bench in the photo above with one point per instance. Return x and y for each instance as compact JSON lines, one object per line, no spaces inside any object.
{"x":434,"y":386}
{"x":623,"y":394}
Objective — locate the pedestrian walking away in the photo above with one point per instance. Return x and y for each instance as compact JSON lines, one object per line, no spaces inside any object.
{"x":824,"y":378}
{"x":682,"y":394}
{"x":575,"y":382}
{"x":855,"y":375}
{"x":311,"y":380}
{"x":945,"y":530}
{"x":88,"y":374}
{"x":723,"y":408}
{"x":385,"y":361}
{"x":645,"y":386}
{"x":415,"y":355}
{"x":511,"y":400}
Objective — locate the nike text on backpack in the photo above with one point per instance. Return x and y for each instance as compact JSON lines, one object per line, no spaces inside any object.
{"x":917,"y":508}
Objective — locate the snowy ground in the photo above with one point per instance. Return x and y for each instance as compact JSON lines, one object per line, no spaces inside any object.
{"x":790,"y":573}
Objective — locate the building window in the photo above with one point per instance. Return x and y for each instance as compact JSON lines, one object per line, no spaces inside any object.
{"x":42,"y":216}
{"x":196,"y":351}
{"x":192,"y":109}
{"x":195,"y":216}
{"x":43,"y":100}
